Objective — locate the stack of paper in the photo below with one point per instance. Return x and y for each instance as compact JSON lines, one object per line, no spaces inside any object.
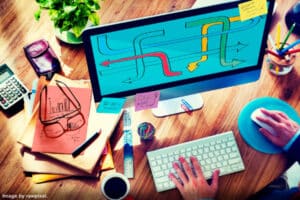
{"x":47,"y":165}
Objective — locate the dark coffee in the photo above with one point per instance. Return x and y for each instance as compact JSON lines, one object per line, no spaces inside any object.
{"x":115,"y":188}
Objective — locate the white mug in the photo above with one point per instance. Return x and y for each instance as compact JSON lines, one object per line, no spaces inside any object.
{"x":115,"y":186}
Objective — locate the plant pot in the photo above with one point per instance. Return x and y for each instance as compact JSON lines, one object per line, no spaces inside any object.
{"x":68,"y":37}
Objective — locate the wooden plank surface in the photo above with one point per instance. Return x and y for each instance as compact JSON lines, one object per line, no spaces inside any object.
{"x":219,"y":114}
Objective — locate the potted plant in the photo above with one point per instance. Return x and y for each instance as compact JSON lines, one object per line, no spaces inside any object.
{"x":70,"y":17}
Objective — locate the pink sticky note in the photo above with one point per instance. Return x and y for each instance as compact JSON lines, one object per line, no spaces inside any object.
{"x":146,"y":100}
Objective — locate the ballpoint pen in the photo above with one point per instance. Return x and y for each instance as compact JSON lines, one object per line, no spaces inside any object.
{"x":85,"y":144}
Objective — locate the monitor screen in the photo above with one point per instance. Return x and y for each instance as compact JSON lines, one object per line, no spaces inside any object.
{"x":187,"y":51}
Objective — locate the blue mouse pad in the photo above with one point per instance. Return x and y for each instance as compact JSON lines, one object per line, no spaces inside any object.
{"x":250,"y":131}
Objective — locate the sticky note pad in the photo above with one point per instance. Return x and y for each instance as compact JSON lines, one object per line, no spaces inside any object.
{"x":111,"y":105}
{"x":253,"y":8}
{"x":146,"y":100}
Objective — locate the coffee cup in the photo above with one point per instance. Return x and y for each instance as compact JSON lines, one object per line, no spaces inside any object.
{"x":115,"y":186}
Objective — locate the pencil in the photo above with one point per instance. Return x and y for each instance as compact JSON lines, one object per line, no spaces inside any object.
{"x":287,"y":36}
{"x":85,"y":144}
{"x":278,"y":35}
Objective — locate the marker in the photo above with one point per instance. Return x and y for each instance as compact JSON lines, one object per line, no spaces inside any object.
{"x":85,"y":144}
{"x":186,"y":106}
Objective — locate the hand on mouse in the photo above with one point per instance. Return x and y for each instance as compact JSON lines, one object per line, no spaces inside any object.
{"x":193,"y":185}
{"x":285,"y":127}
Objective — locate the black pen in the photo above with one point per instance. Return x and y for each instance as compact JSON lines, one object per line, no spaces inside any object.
{"x":85,"y":144}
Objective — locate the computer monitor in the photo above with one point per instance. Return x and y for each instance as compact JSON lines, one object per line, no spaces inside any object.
{"x":180,"y":54}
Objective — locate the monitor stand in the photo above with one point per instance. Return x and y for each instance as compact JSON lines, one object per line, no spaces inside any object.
{"x":201,"y":3}
{"x":175,"y":105}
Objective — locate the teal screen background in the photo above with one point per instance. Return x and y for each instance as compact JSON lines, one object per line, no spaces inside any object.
{"x":174,"y":50}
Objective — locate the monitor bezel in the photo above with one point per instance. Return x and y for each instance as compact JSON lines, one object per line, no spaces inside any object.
{"x":88,"y":33}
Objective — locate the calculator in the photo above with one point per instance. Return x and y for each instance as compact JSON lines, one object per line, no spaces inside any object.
{"x":12,"y":90}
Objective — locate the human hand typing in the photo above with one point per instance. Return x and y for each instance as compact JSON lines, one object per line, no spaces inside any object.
{"x":284,"y":127}
{"x":193,"y":185}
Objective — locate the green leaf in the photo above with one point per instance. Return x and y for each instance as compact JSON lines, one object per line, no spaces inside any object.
{"x":94,"y":18}
{"x":37,"y":14}
{"x":69,"y":9}
{"x":44,"y":3}
{"x":78,"y":30}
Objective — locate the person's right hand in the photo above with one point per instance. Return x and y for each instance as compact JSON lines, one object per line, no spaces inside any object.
{"x":193,"y":185}
{"x":284,"y":127}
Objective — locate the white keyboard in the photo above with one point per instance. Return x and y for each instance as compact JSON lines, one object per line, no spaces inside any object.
{"x":219,"y":151}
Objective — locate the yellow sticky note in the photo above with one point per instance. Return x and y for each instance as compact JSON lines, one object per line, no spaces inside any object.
{"x":252,"y":8}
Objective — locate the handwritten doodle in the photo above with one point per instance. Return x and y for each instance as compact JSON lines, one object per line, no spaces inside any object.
{"x":146,"y":100}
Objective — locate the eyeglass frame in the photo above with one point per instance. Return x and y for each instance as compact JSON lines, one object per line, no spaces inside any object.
{"x":73,"y":113}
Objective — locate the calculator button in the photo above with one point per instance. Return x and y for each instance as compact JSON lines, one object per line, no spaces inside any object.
{"x":23,"y":90}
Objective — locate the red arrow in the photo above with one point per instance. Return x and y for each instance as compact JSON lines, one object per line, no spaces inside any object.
{"x":162,"y":56}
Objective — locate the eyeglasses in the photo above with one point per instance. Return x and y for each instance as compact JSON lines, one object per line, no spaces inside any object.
{"x":58,"y":117}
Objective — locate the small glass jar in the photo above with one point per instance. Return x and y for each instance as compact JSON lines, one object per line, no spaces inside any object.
{"x":281,"y":66}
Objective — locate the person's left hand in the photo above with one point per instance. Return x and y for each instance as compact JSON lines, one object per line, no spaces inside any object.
{"x":194,"y":186}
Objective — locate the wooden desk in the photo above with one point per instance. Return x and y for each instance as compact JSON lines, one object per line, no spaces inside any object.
{"x":219,"y":114}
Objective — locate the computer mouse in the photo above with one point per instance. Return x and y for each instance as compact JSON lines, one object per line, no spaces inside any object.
{"x":258,"y":112}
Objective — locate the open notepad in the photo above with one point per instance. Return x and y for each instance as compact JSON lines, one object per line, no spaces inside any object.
{"x":104,"y":121}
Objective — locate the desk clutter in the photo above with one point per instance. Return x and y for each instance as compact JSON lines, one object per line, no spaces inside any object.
{"x":282,"y":55}
{"x":65,"y":135}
